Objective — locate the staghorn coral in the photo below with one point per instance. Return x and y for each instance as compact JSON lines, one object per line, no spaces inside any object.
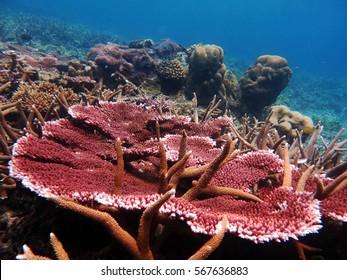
{"x":263,"y":82}
{"x":42,"y":95}
{"x":287,"y":121}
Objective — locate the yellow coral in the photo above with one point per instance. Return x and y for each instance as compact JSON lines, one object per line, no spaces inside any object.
{"x":287,"y":121}
{"x":42,"y":95}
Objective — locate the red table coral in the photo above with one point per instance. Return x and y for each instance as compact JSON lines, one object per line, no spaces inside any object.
{"x":77,"y":158}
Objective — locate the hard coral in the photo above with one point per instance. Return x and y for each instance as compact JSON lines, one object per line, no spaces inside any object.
{"x":262,"y":83}
{"x":287,"y":121}
{"x":167,"y":48}
{"x":134,"y":64}
{"x":172,"y":75}
{"x":207,"y":75}
{"x":42,"y":95}
{"x":75,"y":158}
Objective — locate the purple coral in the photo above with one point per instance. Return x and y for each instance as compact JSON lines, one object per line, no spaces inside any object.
{"x":134,"y":64}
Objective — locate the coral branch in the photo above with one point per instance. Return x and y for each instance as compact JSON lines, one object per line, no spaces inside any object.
{"x":58,"y":248}
{"x":209,"y":172}
{"x":287,"y":179}
{"x":28,"y":254}
{"x":145,"y":225}
{"x":213,"y":243}
{"x":104,"y":218}
{"x":303,"y":179}
{"x":215,"y":191}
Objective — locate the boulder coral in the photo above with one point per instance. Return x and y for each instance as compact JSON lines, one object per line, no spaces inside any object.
{"x":287,"y":121}
{"x":207,"y":75}
{"x":262,"y":83}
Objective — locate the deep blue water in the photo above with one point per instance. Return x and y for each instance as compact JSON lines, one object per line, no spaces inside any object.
{"x":311,"y":34}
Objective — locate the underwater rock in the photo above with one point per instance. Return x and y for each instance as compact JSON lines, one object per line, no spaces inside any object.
{"x":141,"y":44}
{"x":261,"y":84}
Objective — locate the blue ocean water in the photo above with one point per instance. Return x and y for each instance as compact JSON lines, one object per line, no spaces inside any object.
{"x":310,"y":34}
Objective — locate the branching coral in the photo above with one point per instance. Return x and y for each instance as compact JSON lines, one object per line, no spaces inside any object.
{"x":43,"y":95}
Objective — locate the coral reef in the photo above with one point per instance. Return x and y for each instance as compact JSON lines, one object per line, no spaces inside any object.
{"x":262,"y":83}
{"x":58,"y":38}
{"x":134,"y":64}
{"x":288,"y":122}
{"x":127,"y":165}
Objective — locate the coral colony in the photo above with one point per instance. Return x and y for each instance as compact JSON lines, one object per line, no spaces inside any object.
{"x":154,"y":145}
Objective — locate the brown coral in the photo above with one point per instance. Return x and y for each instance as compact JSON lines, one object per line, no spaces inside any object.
{"x":172,"y":75}
{"x":288,"y":121}
{"x":208,"y":75}
{"x":42,"y":95}
{"x":262,"y":83}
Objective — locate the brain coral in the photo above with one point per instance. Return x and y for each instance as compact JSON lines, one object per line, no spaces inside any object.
{"x":262,"y":83}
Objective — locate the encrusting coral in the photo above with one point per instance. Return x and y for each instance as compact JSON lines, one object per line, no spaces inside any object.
{"x":263,"y":82}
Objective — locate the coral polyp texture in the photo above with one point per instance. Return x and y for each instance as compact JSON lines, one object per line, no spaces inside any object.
{"x":262,"y":83}
{"x":91,"y":157}
{"x":172,"y":75}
